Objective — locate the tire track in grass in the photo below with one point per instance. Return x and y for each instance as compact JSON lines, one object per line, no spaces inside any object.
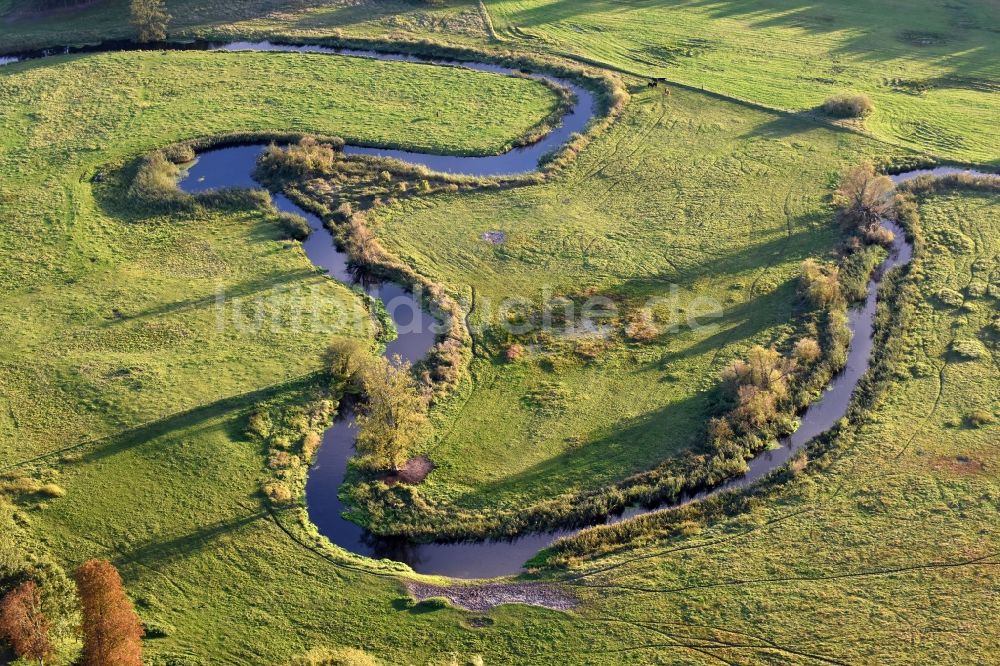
{"x":643,"y":145}
{"x":944,"y":364}
{"x":712,"y":643}
{"x":888,"y":571}
{"x":641,"y":135}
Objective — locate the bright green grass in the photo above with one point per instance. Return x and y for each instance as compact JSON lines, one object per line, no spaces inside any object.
{"x":890,"y":555}
{"x":198,"y":556}
{"x":175,"y":504}
{"x":793,"y":55}
{"x":22,"y":28}
{"x":714,"y":200}
{"x":68,"y":262}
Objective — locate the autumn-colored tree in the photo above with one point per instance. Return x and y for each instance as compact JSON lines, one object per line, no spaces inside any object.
{"x":23,"y":623}
{"x":112,"y":633}
{"x":757,"y":407}
{"x":150,"y":19}
{"x":865,"y":197}
{"x":807,"y":351}
{"x":765,"y":369}
{"x":393,"y":417}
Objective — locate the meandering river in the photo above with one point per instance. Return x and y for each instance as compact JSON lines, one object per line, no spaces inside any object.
{"x":232,"y":167}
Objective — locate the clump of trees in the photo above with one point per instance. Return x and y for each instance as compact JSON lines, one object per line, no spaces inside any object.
{"x":807,"y":351}
{"x":759,"y":384}
{"x":346,"y":359}
{"x":393,"y":417}
{"x":307,"y":157}
{"x":150,"y":19}
{"x":112,"y":633}
{"x":820,"y":283}
{"x":849,"y":105}
{"x":42,"y":616}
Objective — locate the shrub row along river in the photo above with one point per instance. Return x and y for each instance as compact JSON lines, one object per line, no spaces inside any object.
{"x":232,"y":167}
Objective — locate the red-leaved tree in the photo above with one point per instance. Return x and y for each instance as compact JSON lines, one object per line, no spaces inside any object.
{"x":112,"y":633}
{"x":23,"y":623}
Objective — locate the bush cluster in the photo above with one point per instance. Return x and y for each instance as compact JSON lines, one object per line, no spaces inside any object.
{"x":290,"y":434}
{"x":849,"y":105}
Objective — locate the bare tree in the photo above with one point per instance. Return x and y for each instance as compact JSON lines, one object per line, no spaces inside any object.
{"x":865,"y":197}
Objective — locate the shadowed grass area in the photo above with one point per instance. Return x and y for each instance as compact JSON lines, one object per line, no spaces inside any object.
{"x":123,"y":378}
{"x":884,"y":550}
{"x":112,"y":312}
{"x":23,"y":26}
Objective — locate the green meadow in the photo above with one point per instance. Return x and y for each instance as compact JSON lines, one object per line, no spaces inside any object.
{"x":707,"y":206}
{"x":126,"y":382}
{"x":884,"y":550}
{"x":930,"y":67}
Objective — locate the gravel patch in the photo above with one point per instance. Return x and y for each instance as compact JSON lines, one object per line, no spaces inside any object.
{"x":485,"y":597}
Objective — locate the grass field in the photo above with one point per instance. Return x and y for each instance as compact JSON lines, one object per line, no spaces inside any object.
{"x":111,"y":325}
{"x":23,"y":27}
{"x":931,"y":68}
{"x":887,"y":555}
{"x":883,"y":550}
{"x":706,"y":201}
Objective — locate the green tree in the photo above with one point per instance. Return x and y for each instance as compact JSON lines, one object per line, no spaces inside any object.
{"x":150,"y":18}
{"x":393,"y":417}
{"x":346,"y":359}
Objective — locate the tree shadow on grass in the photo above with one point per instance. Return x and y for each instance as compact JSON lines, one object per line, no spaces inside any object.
{"x":637,"y":444}
{"x":620,"y":450}
{"x":184,"y":546}
{"x":184,"y":420}
{"x":349,"y":14}
{"x":303,"y":276}
{"x":957,"y":33}
{"x":803,"y":242}
{"x":743,"y":321}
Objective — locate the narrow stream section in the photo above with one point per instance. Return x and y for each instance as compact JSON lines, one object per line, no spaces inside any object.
{"x":232,"y":167}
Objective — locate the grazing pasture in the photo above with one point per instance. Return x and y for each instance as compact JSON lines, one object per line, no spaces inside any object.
{"x":887,"y":532}
{"x":699,"y":204}
{"x":137,"y":340}
{"x":932,"y":69}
